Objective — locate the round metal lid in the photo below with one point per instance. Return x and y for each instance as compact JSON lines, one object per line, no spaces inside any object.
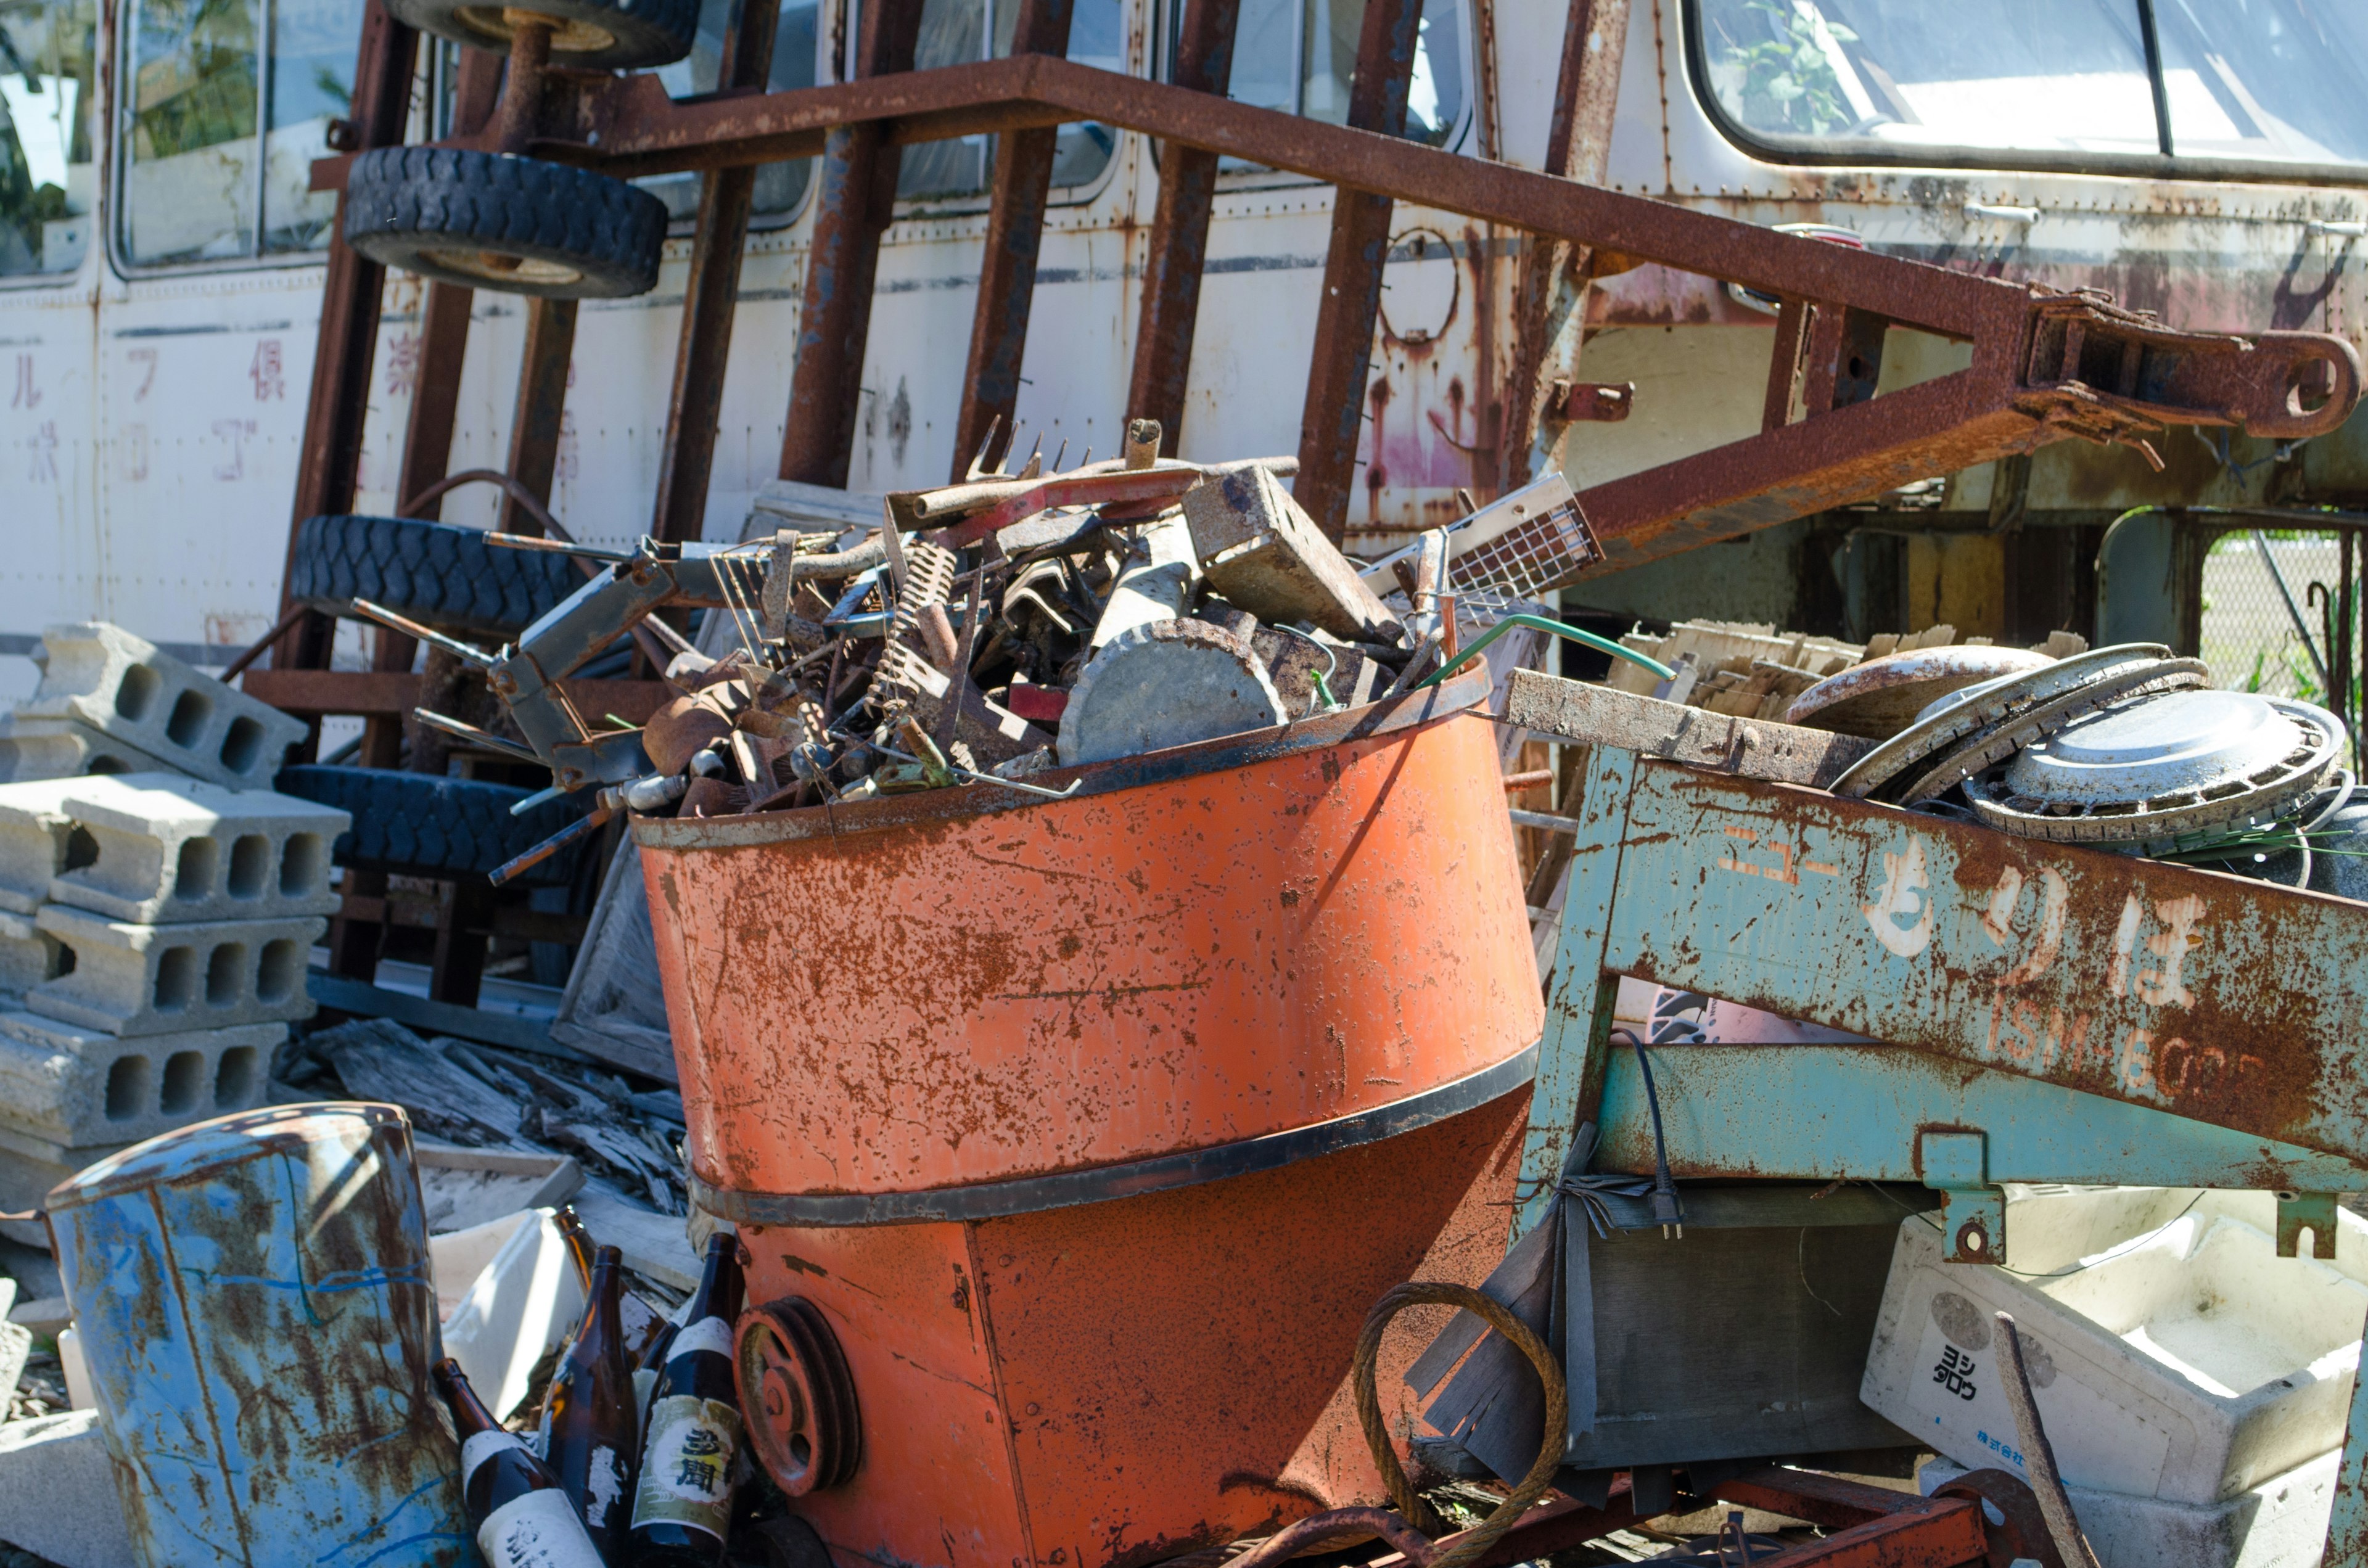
{"x":1955,"y":764}
{"x":2161,"y":768}
{"x":1943,"y":726}
{"x":1882,"y":697}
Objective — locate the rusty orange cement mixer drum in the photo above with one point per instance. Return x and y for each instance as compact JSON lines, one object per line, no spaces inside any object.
{"x":1071,"y":1141}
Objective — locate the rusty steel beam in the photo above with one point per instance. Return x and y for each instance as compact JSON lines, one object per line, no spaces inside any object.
{"x":337,"y":409}
{"x":1332,"y":414}
{"x":536,"y":419}
{"x":703,"y":346}
{"x":1180,"y":231}
{"x":1015,"y":234}
{"x":1552,"y":290}
{"x":854,"y":204}
{"x":2045,"y":366}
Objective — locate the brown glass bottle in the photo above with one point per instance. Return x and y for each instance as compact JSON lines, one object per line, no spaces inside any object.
{"x":521,"y":1515}
{"x":682,"y":1503}
{"x":593,"y":1433}
{"x":570,"y":1225}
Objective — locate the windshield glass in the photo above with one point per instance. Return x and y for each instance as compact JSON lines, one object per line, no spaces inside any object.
{"x":46,"y":178}
{"x":2053,"y":75}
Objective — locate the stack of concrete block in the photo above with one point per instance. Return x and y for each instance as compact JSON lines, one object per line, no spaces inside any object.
{"x":111,"y":703}
{"x":168,"y":925}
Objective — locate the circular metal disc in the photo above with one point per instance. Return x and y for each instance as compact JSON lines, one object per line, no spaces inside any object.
{"x":1882,"y":697}
{"x":1979,"y":750}
{"x":2128,"y":776}
{"x":1979,"y":708}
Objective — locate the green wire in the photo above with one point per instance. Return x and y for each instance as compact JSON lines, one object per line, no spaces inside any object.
{"x":1588,"y":639}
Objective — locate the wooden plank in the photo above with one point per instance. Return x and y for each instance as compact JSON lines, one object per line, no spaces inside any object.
{"x":1550,"y":707}
{"x":310,"y":692}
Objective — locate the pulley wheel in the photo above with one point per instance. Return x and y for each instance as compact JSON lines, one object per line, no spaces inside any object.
{"x":798,"y":1396}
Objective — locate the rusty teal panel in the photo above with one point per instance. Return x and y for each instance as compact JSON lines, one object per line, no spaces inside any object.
{"x":255,"y":1303}
{"x":2217,"y":998}
{"x":1822,"y":1111}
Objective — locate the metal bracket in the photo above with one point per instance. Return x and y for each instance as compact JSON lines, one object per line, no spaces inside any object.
{"x":2312,"y":1211}
{"x":1973,"y":1212}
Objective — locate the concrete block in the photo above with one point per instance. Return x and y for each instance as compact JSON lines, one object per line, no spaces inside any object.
{"x":77,"y":1088}
{"x":170,"y":849}
{"x":65,"y":748}
{"x":147,"y":980}
{"x":1169,"y":684}
{"x":58,"y":1496}
{"x":29,"y":1168}
{"x":131,"y":690}
{"x":29,"y":955}
{"x":35,"y":836}
{"x":1266,"y":555}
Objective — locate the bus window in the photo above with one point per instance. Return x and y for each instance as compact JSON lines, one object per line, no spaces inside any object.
{"x":779,"y":187}
{"x":202,"y":181}
{"x":954,"y":32}
{"x":2051,"y":77}
{"x":1299,"y":55}
{"x":47,"y":186}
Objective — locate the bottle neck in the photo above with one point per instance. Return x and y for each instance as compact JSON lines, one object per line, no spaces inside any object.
{"x":468,"y":1412}
{"x":719,"y":1282}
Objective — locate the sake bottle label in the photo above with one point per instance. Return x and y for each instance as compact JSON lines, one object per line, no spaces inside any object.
{"x":687,"y":1464}
{"x":479,"y":1447}
{"x":604,"y":1488}
{"x":538,"y":1529}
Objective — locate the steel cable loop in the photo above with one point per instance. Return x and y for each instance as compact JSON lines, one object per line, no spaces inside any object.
{"x":1532,"y":1486}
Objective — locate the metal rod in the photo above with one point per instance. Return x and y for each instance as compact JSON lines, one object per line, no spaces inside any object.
{"x":410,"y":628}
{"x":2294,"y":610}
{"x":2038,"y":1454}
{"x":556,"y":547}
{"x":255,"y":649}
{"x":476,"y":736}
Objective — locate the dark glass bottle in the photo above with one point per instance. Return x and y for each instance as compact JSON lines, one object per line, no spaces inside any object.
{"x":594,"y":1432}
{"x":682,"y":1504}
{"x":571,"y":1229}
{"x":522,"y":1515}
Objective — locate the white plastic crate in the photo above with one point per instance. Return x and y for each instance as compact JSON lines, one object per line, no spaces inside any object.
{"x":2174,"y":1356}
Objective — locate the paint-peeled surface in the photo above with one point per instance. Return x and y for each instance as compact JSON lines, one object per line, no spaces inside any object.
{"x":1171,"y":967}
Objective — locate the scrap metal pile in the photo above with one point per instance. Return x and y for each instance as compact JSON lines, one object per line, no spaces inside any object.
{"x":1008,"y":626}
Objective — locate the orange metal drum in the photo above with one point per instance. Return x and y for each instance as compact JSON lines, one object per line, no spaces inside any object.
{"x":1093,"y":1127}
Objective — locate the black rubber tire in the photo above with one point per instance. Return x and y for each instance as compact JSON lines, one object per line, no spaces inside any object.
{"x":439,"y":574}
{"x":452,"y":215}
{"x":602,"y":35}
{"x":421,"y":824}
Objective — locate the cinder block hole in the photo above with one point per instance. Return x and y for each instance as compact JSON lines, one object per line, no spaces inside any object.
{"x":177,"y":979}
{"x":190,"y":711}
{"x":200,"y":859}
{"x":184,"y":1080}
{"x":81,"y":849}
{"x":65,"y":961}
{"x":235,"y":1079}
{"x":138,"y":692}
{"x":281,"y":971}
{"x":303,"y":865}
{"x":242,"y":745}
{"x":127,"y":1085}
{"x":250,"y":864}
{"x":101,"y":765}
{"x":225,"y":969}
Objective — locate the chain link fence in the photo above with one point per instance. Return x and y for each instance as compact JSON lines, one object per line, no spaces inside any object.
{"x":2248,"y":634}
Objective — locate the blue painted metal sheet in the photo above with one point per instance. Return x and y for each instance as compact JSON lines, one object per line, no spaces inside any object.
{"x":255,"y":1303}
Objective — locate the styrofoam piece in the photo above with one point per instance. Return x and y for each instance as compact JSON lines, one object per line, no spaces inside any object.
{"x":32,"y":749}
{"x":76,"y":1368}
{"x":29,"y":955}
{"x":36,"y":835}
{"x":2173,"y":1354}
{"x":58,"y":1499}
{"x":170,"y":849}
{"x":144,"y":980}
{"x":2282,"y":1523}
{"x":131,"y":690}
{"x":76,"y":1088}
{"x":517,"y":1307}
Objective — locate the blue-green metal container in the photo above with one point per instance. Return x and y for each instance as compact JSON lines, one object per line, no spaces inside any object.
{"x":254,"y":1303}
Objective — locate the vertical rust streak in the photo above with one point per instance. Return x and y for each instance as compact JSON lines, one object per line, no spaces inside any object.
{"x":1333,"y":414}
{"x":1579,"y":146}
{"x":1015,"y":235}
{"x":1180,"y":231}
{"x":725,"y":200}
{"x":1783,"y":365}
{"x":854,"y":205}
{"x":541,"y":401}
{"x":337,"y":408}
